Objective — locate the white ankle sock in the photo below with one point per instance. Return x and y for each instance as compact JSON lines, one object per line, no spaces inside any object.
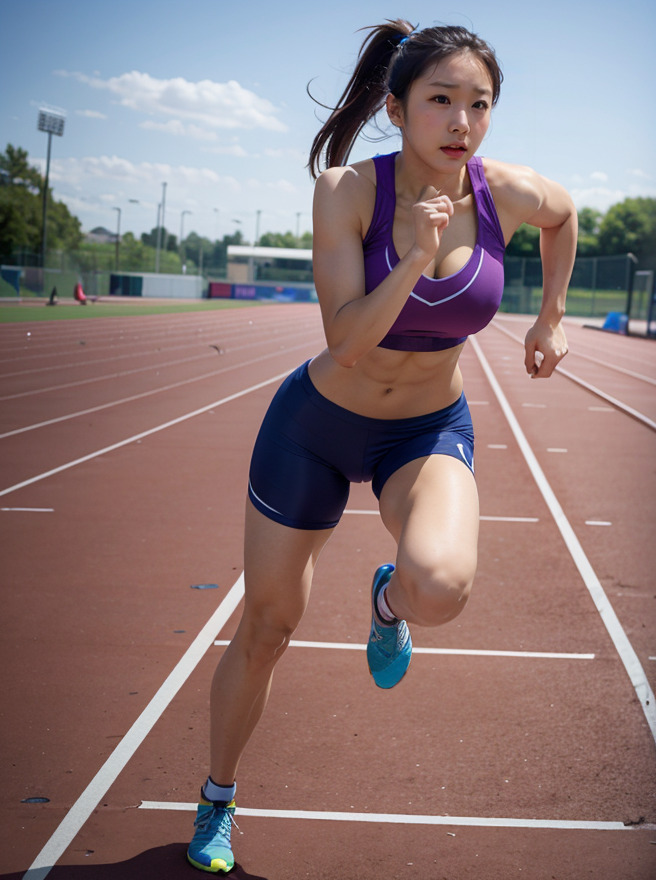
{"x":383,"y":608}
{"x":214,"y":792}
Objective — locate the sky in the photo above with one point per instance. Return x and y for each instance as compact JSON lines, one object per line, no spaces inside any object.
{"x":203,"y":105}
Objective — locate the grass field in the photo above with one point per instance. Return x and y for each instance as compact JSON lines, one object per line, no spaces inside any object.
{"x":519,"y":300}
{"x":38,"y":310}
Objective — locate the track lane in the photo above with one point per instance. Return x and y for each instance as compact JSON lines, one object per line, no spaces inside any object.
{"x":512,"y":738}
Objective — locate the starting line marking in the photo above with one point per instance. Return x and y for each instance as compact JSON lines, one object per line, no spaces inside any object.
{"x":509,"y":519}
{"x":467,"y":652}
{"x":410,"y":819}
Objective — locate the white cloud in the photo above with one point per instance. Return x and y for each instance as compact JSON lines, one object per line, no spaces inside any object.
{"x":216,"y":105}
{"x":601,"y":176}
{"x":91,"y":114}
{"x":599,"y":197}
{"x":638,"y":172}
{"x":175,"y":126}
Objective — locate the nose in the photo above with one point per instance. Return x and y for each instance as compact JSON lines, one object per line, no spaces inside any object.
{"x":459,"y":120}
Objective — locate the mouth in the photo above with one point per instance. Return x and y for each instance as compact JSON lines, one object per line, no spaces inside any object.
{"x":454,"y":151}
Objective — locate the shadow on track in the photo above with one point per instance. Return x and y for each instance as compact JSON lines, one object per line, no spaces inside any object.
{"x":154,"y":864}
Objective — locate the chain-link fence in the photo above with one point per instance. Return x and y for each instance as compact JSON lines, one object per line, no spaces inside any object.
{"x":599,"y":285}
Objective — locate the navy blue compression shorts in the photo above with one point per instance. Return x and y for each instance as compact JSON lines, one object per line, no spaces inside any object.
{"x":309,"y":450}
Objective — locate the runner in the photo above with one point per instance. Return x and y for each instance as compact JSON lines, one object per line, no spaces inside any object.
{"x":408,"y":261}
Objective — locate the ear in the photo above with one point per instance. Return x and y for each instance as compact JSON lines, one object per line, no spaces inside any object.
{"x":394,"y":110}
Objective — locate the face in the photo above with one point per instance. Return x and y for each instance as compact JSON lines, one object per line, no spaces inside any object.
{"x":446,"y":113}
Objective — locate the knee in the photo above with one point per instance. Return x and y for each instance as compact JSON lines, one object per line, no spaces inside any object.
{"x":263,"y":638}
{"x":437,"y":592}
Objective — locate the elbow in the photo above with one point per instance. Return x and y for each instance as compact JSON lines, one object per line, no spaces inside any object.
{"x":343,"y":356}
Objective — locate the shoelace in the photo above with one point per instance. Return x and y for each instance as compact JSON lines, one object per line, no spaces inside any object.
{"x":227,"y":820}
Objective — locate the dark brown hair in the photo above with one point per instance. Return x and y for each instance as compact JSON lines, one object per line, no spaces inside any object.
{"x":391,"y":58}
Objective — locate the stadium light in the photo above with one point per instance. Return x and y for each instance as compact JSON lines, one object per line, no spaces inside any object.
{"x":182,"y":250}
{"x":51,"y":122}
{"x":118,"y":236}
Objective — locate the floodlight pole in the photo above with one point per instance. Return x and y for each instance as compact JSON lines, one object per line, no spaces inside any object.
{"x":118,"y":236}
{"x":52,"y":123}
{"x":44,"y":214}
{"x":160,"y":228}
{"x":182,"y":250}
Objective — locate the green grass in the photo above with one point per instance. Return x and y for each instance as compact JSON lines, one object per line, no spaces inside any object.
{"x":38,"y":310}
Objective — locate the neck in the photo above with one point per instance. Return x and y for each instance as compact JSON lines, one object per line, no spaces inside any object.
{"x":413,"y":175}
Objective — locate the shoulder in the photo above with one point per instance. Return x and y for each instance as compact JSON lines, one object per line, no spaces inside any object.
{"x":346,"y":193}
{"x":521,"y":194}
{"x":513,"y":186}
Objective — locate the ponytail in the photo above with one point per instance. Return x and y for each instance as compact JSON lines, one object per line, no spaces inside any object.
{"x":362,"y":98}
{"x":392,"y":57}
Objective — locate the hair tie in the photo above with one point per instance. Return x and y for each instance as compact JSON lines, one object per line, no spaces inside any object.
{"x":404,"y":40}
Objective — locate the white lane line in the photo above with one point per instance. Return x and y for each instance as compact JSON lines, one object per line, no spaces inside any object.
{"x":628,"y":410}
{"x":576,"y":352}
{"x":497,"y":445}
{"x":622,"y":644}
{"x":410,"y":819}
{"x":467,"y":652}
{"x":78,"y":814}
{"x":625,"y":408}
{"x":556,"y":449}
{"x":136,"y":437}
{"x":509,"y":519}
{"x":597,"y":522}
{"x":27,"y":509}
{"x":133,"y":397}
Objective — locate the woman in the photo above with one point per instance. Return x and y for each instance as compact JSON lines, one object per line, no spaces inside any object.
{"x":408,"y":261}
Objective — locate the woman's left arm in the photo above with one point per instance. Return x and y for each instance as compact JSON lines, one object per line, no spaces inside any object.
{"x":523,"y":196}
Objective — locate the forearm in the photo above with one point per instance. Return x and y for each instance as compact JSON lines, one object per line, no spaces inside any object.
{"x":360,"y":324}
{"x":558,"y":250}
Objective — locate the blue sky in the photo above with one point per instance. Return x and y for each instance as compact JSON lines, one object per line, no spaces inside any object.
{"x":210,"y":97}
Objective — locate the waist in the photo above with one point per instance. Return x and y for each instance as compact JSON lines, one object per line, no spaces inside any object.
{"x":389,"y":384}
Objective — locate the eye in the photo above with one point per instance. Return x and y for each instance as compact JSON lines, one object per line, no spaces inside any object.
{"x":481,"y":105}
{"x":441,"y":99}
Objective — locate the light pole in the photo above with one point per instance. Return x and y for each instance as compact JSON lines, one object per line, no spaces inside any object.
{"x":160,"y":230}
{"x":257,"y":227}
{"x":118,"y":236}
{"x":52,"y":122}
{"x":182,"y":251}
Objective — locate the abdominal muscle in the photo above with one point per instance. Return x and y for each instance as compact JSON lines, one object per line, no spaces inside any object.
{"x":386,"y":384}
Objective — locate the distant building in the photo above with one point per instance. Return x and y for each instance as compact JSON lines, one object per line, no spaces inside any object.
{"x":247,"y":264}
{"x":100,"y":235}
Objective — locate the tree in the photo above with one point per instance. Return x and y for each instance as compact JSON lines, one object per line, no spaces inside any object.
{"x":21,"y":205}
{"x":630,"y":227}
{"x":588,"y":242}
{"x":525,"y":242}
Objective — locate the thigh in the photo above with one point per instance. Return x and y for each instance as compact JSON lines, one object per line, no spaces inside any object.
{"x":430,"y":507}
{"x":278,"y":567}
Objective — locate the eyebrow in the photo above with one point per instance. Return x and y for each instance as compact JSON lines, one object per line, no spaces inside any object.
{"x":444,"y":85}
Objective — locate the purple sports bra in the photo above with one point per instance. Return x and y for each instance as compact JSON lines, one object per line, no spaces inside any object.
{"x":440,"y":312}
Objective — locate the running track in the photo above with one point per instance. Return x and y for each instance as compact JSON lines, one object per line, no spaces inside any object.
{"x":520,"y":745}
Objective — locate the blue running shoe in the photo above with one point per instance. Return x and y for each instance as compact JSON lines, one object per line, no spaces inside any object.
{"x":210,"y":848}
{"x":390,"y":647}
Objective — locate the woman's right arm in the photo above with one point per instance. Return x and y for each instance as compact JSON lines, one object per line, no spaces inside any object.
{"x":354,"y":324}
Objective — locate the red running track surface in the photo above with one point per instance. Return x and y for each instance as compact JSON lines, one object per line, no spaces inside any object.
{"x":521,"y":743}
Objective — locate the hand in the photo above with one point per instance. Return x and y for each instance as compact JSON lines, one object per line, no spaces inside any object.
{"x":545,"y":347}
{"x":431,"y":215}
